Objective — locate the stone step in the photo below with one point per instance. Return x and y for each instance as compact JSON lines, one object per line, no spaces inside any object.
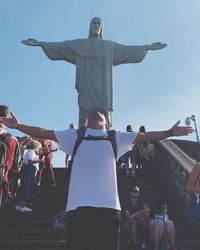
{"x":32,"y":244}
{"x":31,"y":234}
{"x":59,"y":245}
{"x":35,"y":231}
{"x":42,"y":233}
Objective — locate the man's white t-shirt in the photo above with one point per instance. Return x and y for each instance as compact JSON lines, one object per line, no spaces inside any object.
{"x":93,"y":180}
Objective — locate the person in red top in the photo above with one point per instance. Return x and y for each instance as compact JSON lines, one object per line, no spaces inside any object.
{"x":46,"y":153}
{"x":10,"y":143}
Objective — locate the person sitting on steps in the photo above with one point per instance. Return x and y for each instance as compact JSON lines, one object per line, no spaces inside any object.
{"x":160,"y":224}
{"x":136,"y":216}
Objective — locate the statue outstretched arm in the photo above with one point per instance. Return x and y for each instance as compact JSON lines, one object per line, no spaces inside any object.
{"x":55,"y":50}
{"x":133,"y":54}
{"x":155,"y":46}
{"x":31,"y":42}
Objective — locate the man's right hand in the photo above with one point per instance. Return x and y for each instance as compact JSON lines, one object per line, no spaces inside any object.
{"x":10,"y":122}
{"x":31,"y":42}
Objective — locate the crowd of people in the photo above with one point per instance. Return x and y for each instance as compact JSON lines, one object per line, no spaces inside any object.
{"x":22,"y":160}
{"x":138,"y":160}
{"x":145,"y":224}
{"x":93,"y":207}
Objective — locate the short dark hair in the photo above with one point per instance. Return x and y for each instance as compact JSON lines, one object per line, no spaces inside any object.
{"x":128,"y":128}
{"x":100,"y":109}
{"x":4,"y":110}
{"x":142,"y":129}
{"x":159,"y":204}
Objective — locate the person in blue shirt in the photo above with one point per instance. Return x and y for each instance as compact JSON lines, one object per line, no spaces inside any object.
{"x":160,"y":224}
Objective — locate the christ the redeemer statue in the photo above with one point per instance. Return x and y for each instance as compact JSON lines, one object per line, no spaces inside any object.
{"x":94,"y":59}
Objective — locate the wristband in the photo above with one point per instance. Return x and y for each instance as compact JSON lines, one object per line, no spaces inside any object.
{"x":169,"y":133}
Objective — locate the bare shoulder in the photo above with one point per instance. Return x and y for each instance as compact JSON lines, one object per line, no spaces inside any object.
{"x":196,"y":170}
{"x":195,"y":174}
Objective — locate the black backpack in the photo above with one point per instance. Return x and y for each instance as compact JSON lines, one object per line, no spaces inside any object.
{"x":3,"y":152}
{"x":81,"y":136}
{"x":3,"y":155}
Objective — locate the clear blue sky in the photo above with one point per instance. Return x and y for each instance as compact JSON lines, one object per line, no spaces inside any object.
{"x":156,"y":93}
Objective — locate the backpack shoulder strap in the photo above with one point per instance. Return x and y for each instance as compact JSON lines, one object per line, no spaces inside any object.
{"x":3,"y":152}
{"x":80,"y":135}
{"x":112,"y":138}
{"x":17,"y":159}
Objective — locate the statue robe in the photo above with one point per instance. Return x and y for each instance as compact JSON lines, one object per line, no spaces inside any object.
{"x":94,"y":60}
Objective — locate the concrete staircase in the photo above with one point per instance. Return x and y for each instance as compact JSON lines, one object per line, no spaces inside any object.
{"x":187,"y":237}
{"x":35,"y":231}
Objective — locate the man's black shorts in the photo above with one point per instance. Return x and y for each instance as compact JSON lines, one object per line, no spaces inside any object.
{"x":90,"y":228}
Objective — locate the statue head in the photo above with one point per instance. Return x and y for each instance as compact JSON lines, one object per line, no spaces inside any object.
{"x":96,"y":28}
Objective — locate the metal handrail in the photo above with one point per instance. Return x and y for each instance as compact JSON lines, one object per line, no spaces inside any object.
{"x":182,"y":158}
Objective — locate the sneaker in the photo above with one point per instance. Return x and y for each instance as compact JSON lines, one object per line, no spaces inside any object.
{"x":38,"y":183}
{"x":18,"y":208}
{"x":25,"y":210}
{"x":143,"y":245}
{"x":53,"y":183}
{"x":132,"y":173}
{"x":127,"y":174}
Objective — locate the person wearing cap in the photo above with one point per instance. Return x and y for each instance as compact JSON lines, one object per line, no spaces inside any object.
{"x":136,"y":214}
{"x":93,"y":206}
